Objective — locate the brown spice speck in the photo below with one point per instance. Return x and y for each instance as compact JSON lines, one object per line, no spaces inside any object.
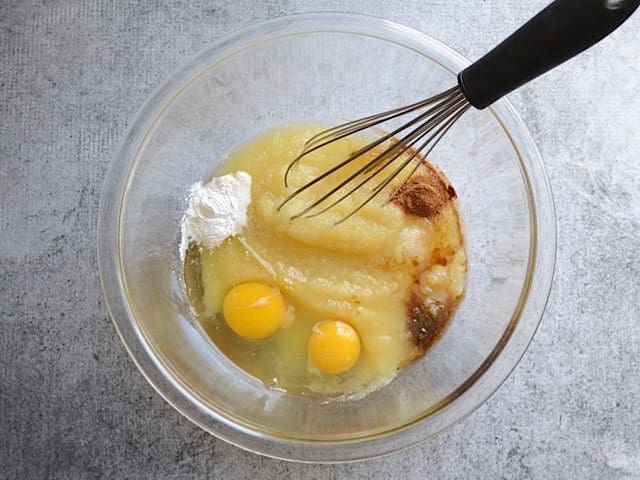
{"x":424,"y":195}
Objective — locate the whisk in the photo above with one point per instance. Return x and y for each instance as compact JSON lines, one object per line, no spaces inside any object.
{"x":559,"y":32}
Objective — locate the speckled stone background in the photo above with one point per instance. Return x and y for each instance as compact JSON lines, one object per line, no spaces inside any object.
{"x":72,"y":404}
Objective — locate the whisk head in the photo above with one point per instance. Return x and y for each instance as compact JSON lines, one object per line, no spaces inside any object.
{"x":434,"y":117}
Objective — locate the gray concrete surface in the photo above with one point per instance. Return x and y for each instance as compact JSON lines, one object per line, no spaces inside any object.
{"x":72,"y":404}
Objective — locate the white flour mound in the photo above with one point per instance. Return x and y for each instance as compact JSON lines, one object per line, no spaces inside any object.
{"x":217,"y":210}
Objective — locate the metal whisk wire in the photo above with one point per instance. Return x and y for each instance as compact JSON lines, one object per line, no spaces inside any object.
{"x":445,"y":109}
{"x":570,"y":26}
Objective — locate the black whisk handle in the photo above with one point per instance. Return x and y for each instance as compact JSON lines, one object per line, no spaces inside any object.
{"x":559,"y":32}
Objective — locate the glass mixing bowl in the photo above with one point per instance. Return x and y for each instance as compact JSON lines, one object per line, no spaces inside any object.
{"x":318,"y":67}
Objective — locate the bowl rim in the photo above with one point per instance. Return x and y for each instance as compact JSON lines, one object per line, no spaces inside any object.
{"x":514,"y":342}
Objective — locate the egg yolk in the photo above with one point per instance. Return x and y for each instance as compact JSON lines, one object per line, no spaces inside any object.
{"x":253,"y":310}
{"x":334,"y":346}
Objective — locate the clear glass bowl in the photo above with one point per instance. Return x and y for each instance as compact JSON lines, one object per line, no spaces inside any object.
{"x":317,"y":67}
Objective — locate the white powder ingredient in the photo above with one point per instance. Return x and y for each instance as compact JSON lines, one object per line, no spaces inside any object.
{"x":217,"y":210}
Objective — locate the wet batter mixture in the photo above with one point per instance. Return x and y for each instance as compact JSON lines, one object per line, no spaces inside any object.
{"x":317,"y":308}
